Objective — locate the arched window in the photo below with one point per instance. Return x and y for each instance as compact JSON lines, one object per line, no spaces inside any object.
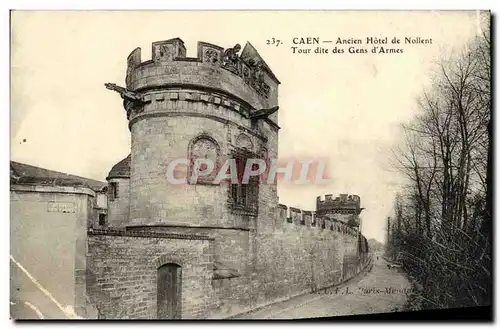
{"x":203,"y":147}
{"x":169,"y":291}
{"x":244,"y":142}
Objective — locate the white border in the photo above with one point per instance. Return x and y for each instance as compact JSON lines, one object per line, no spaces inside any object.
{"x":182,"y":5}
{"x":254,"y":5}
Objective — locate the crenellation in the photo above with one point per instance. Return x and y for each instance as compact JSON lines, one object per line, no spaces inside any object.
{"x":310,"y":219}
{"x":133,"y":60}
{"x":209,"y":53}
{"x":295,"y":215}
{"x":168,"y":50}
{"x":343,"y":201}
{"x":250,"y":69}
{"x":307,"y":218}
{"x":282,"y":213}
{"x":345,"y":208}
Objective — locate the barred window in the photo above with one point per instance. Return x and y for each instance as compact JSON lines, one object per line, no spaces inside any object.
{"x":244,"y":196}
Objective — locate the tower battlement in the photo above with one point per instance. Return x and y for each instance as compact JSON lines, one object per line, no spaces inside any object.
{"x":214,"y":105}
{"x":245,"y":76}
{"x":343,"y":204}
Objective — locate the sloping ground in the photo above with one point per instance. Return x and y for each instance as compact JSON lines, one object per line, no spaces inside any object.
{"x":381,"y":290}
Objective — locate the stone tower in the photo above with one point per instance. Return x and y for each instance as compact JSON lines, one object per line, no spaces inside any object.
{"x":345,"y":208}
{"x":220,"y":105}
{"x":189,"y":107}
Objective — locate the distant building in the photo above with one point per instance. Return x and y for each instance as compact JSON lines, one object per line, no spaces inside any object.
{"x":345,"y":208}
{"x":50,"y":213}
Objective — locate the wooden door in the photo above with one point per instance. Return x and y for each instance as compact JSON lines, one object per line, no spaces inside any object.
{"x":169,"y":292}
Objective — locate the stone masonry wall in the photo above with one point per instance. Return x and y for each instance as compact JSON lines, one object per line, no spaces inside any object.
{"x":163,"y":133}
{"x":230,"y":246}
{"x":298,"y":254}
{"x":122,"y":273}
{"x":289,"y":259}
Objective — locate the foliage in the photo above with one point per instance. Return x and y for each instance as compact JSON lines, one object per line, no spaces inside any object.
{"x":441,"y":227}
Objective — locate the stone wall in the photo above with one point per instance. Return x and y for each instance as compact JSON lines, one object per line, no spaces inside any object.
{"x":122,"y":272}
{"x":266,"y":266}
{"x":231,"y":245}
{"x":296,"y":253}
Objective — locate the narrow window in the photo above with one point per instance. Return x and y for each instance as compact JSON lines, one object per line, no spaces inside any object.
{"x":244,"y":196}
{"x":102,"y":219}
{"x":113,"y":190}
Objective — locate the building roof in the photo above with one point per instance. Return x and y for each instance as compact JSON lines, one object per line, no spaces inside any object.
{"x":121,"y":169}
{"x":24,"y":174}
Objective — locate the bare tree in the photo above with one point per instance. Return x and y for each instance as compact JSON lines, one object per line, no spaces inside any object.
{"x":443,"y":214}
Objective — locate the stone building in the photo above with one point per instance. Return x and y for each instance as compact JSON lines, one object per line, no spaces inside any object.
{"x":197,"y":249}
{"x":50,"y":213}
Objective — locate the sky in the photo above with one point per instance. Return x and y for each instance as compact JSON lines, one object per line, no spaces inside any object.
{"x":345,"y":108}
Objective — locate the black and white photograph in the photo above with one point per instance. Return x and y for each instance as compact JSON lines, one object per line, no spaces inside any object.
{"x":251,"y":165}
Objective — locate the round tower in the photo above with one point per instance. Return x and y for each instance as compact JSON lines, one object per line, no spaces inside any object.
{"x":118,"y":193}
{"x":214,"y":106}
{"x":345,"y":208}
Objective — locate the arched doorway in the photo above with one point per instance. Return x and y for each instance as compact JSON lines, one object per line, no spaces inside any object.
{"x":169,"y":283}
